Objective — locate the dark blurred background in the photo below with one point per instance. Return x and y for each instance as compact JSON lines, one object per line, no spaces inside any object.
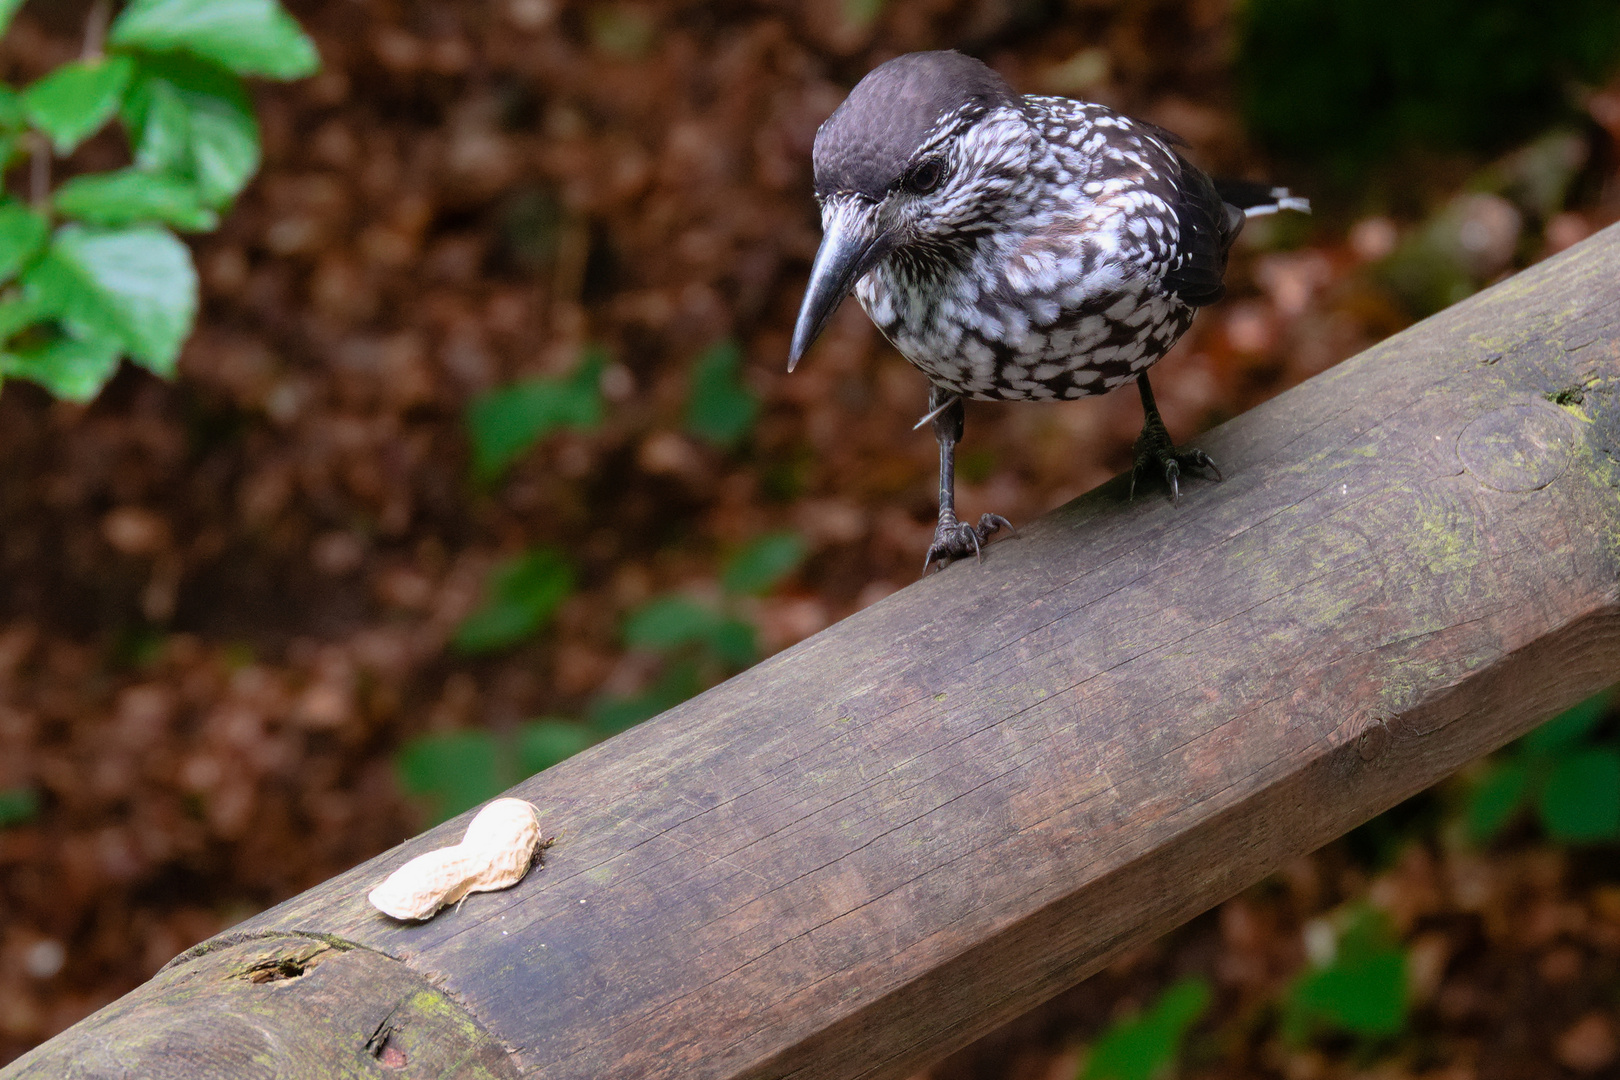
{"x":484,"y":448}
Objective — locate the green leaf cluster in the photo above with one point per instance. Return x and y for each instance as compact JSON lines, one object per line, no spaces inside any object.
{"x":1571,"y":779}
{"x":670,"y":623}
{"x":503,"y":424}
{"x":92,"y":272}
{"x":521,"y":595}
{"x":700,"y":642}
{"x":1147,"y":1046}
{"x":720,"y":409}
{"x":1361,"y":990}
{"x":1354,"y":82}
{"x":455,"y":771}
{"x":681,"y":679}
{"x":248,"y":37}
{"x":1567,"y":772}
{"x":763,"y":564}
{"x":458,"y":770}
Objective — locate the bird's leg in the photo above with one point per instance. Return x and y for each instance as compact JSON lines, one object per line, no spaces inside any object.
{"x":952,"y":539}
{"x":1154,"y":450}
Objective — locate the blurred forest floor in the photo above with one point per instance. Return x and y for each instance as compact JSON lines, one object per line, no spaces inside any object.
{"x":227,"y":602}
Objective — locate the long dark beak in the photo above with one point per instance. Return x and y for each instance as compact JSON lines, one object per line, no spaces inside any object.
{"x":850,"y":247}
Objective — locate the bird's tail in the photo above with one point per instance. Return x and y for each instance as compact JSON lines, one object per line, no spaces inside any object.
{"x":1257,"y":200}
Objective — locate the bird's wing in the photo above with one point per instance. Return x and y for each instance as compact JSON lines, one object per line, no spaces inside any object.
{"x":1208,"y":227}
{"x":1149,"y":206}
{"x":1191,"y":259}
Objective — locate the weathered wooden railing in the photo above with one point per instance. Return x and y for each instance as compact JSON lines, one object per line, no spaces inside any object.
{"x":879,"y":844}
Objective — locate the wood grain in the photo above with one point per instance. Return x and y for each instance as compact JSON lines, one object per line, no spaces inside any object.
{"x":929,"y":818}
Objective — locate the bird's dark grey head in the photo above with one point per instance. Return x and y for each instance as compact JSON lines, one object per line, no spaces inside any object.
{"x":919,"y":156}
{"x":867,"y":145}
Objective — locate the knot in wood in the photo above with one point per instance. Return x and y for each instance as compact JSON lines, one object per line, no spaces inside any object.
{"x":1372,"y":742}
{"x":1521,"y":447}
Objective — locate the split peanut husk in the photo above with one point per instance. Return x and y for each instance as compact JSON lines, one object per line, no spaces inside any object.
{"x":495,"y":853}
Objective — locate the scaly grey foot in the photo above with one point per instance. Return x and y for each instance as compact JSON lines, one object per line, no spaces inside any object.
{"x":955,"y":540}
{"x":1154,"y":449}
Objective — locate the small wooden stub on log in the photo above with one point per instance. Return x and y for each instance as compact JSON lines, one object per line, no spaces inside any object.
{"x":278,"y":1006}
{"x":929,"y":818}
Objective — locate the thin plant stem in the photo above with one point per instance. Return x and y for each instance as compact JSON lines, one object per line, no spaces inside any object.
{"x":95,"y":30}
{"x":39,"y":171}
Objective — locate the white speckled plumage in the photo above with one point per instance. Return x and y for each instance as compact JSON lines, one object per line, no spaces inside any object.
{"x":1057,"y":232}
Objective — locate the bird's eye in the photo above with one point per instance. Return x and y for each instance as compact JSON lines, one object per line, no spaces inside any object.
{"x":926,"y":177}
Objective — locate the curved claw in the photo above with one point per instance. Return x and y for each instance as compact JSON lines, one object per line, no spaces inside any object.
{"x":989,"y":524}
{"x":1171,"y":461}
{"x":1202,"y":460}
{"x":954,"y":540}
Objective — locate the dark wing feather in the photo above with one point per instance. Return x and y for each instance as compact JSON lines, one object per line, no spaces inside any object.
{"x":1164,"y":135}
{"x":1209,"y":225}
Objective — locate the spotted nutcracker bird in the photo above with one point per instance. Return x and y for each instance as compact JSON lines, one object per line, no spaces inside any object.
{"x":1015,"y":248}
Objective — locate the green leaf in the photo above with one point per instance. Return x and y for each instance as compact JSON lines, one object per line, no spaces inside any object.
{"x":719,"y":408}
{"x":1496,"y":798}
{"x":1568,"y":727}
{"x":74,"y":101}
{"x":1146,"y":1046}
{"x":17,"y":805}
{"x":732,"y":643}
{"x":455,"y":770}
{"x":503,"y":424}
{"x":668,"y":623}
{"x":613,"y":715}
{"x":1580,"y":801}
{"x":543,"y":743}
{"x":522,"y":593}
{"x":17,"y":312}
{"x":673,"y":622}
{"x":12,"y":115}
{"x":71,"y":369}
{"x":1363,"y":991}
{"x":22,"y":236}
{"x":250,"y":37}
{"x":158,"y":119}
{"x":194,"y":120}
{"x":133,"y":195}
{"x":762,"y":565}
{"x":135,"y":285}
{"x":680,"y":681}
{"x":1366,"y":998}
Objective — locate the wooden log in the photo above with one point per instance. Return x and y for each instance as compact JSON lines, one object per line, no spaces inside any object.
{"x":277,"y":1006}
{"x":885,"y":841}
